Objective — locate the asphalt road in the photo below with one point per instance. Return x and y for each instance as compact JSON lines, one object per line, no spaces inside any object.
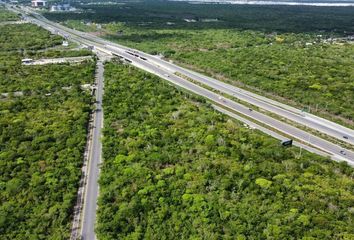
{"x":166,"y":71}
{"x":318,"y":145}
{"x":274,"y":134}
{"x":91,"y":191}
{"x":282,"y":110}
{"x":334,"y":151}
{"x":303,"y":118}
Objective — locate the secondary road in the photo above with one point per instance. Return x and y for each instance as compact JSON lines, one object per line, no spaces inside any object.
{"x":274,"y":127}
{"x":91,"y":191}
{"x":136,"y":58}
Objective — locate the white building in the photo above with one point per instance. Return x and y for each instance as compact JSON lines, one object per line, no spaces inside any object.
{"x":62,"y":7}
{"x":39,"y":3}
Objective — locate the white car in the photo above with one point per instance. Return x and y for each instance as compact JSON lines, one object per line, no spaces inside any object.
{"x":222,"y":99}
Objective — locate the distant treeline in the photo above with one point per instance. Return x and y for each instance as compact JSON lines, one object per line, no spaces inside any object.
{"x":265,"y":18}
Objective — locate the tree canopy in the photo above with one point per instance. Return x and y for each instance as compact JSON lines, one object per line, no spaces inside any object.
{"x":42,"y":137}
{"x":176,"y":169}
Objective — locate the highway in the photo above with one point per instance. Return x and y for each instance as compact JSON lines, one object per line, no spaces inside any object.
{"x":91,"y":191}
{"x":308,"y":120}
{"x":145,"y":61}
{"x":282,"y":110}
{"x":166,"y":71}
{"x":263,"y":122}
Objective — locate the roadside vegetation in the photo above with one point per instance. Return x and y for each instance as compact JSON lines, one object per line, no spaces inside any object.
{"x":297,"y":55}
{"x":176,"y":169}
{"x":6,"y":15}
{"x":22,"y":37}
{"x":42,"y":136}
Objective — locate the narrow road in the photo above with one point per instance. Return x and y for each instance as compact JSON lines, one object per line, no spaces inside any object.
{"x":91,"y":193}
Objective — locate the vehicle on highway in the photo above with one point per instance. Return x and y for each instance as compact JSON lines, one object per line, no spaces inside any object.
{"x":345,"y":137}
{"x":27,"y":60}
{"x":333,"y":149}
{"x":250,"y":109}
{"x":343,"y":152}
{"x":166,"y":75}
{"x":222,"y":99}
{"x":287,"y":143}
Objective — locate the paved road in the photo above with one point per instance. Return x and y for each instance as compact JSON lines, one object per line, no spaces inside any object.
{"x":268,"y":131}
{"x":284,"y":111}
{"x":166,"y":72}
{"x":336,"y":152}
{"x":91,"y":193}
{"x":306,"y":119}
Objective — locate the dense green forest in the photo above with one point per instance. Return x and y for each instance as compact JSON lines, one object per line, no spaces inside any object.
{"x":42,"y":136}
{"x":294,"y":54}
{"x":176,"y":169}
{"x":21,"y":37}
{"x":6,"y":15}
{"x":48,"y":78}
{"x":156,"y":14}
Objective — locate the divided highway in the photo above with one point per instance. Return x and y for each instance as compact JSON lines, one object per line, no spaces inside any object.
{"x":316,"y":123}
{"x":167,"y":71}
{"x":293,"y":114}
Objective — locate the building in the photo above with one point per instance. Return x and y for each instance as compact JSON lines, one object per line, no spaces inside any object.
{"x":62,"y":7}
{"x":39,"y":3}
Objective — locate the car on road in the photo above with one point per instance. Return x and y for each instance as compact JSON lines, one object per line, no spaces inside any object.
{"x":222,"y":99}
{"x":250,"y":109}
{"x":345,"y":137}
{"x":342,"y":152}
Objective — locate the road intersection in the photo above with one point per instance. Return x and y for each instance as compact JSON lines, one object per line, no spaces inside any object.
{"x":174,"y":74}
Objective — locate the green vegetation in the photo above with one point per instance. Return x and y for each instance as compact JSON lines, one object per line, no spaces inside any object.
{"x":176,"y":169}
{"x":42,"y":140}
{"x":317,"y":77}
{"x":283,"y":65}
{"x":42,"y":137}
{"x":82,"y":26}
{"x":22,"y":37}
{"x":6,"y":15}
{"x":286,"y":53}
{"x":154,"y":14}
{"x":31,"y":41}
{"x":48,"y":78}
{"x":58,"y":51}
